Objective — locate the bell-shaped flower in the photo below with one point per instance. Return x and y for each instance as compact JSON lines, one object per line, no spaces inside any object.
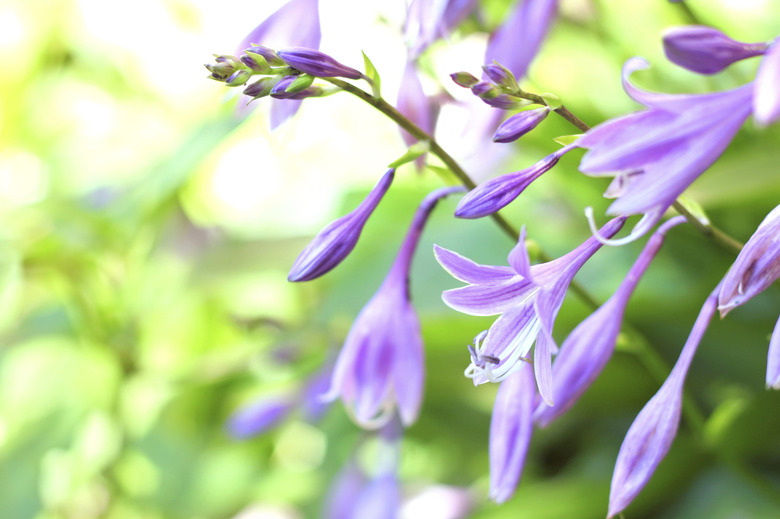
{"x":511,"y":427}
{"x":773,"y":359}
{"x":519,"y":124}
{"x":336,"y":241}
{"x":706,"y":50}
{"x":316,"y":63}
{"x":517,"y":41}
{"x":589,"y":347}
{"x":526,"y":297}
{"x":380,"y":366}
{"x":296,"y":23}
{"x":495,"y":194}
{"x":657,"y":153}
{"x":757,"y":266}
{"x":429,"y":20}
{"x":650,"y":436}
{"x":766,"y":99}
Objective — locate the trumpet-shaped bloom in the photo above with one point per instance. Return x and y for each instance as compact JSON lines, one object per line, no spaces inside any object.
{"x":757,"y":266}
{"x":589,"y":347}
{"x":296,"y":23}
{"x":380,"y":366}
{"x":657,"y":153}
{"x":511,"y":428}
{"x":650,"y":436}
{"x":495,"y":194}
{"x":517,"y":41}
{"x":334,"y":243}
{"x":526,"y":297}
{"x":706,"y":50}
{"x":766,"y":101}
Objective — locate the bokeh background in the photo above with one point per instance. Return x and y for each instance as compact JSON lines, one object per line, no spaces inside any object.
{"x":147,"y":232}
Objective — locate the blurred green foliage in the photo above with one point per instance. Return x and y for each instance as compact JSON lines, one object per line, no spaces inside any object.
{"x":147,"y":232}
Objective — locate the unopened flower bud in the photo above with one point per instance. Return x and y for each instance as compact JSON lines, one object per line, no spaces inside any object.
{"x":260,"y":88}
{"x":300,"y":84}
{"x":225,"y":66}
{"x":256,"y":62}
{"x":238,"y":78}
{"x":501,"y":76}
{"x":520,"y":124}
{"x":706,"y":50}
{"x":464,"y":79}
{"x":316,"y":63}
{"x":492,"y":95}
{"x":268,"y":54}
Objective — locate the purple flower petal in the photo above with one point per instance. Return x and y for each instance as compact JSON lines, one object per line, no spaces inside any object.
{"x":518,"y":257}
{"x":463,"y":269}
{"x":706,"y":50}
{"x":490,"y":299}
{"x":259,"y":417}
{"x":766,"y":101}
{"x":773,"y":359}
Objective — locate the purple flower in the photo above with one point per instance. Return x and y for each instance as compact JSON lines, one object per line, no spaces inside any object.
{"x":657,"y":153}
{"x":259,"y":416}
{"x":511,"y":428}
{"x":429,"y":20}
{"x":517,"y":41}
{"x":316,"y":63}
{"x":527,"y":299}
{"x":495,"y":194}
{"x":520,"y":124}
{"x":415,"y":106}
{"x":381,"y":364}
{"x":587,"y":349}
{"x":650,"y":436}
{"x":336,"y":241}
{"x":773,"y":359}
{"x":296,"y":23}
{"x":494,"y":96}
{"x":757,"y":266}
{"x":766,"y":98}
{"x":706,"y":50}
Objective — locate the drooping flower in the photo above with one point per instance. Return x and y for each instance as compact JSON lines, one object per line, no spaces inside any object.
{"x":511,"y":427}
{"x":296,"y":23}
{"x":706,"y":50}
{"x":766,"y":99}
{"x":380,"y":366}
{"x":519,"y":124}
{"x":587,"y":349}
{"x":657,"y":153}
{"x":316,"y":63}
{"x":495,"y":194}
{"x":526,"y":297}
{"x":757,"y":266}
{"x":517,"y":41}
{"x":650,"y":436}
{"x":334,"y":243}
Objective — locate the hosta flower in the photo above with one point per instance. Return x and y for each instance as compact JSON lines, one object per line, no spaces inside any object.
{"x":757,"y":266}
{"x":766,"y":100}
{"x":650,"y":436}
{"x":519,"y":124}
{"x":296,"y":23}
{"x":416,"y":106}
{"x":511,"y":428}
{"x":429,"y":20}
{"x":334,"y":243}
{"x":657,"y":153}
{"x":380,"y":366}
{"x":706,"y":50}
{"x":526,"y":297}
{"x":316,"y":63}
{"x":587,"y":349}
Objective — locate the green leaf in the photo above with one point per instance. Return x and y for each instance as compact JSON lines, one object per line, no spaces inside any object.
{"x":694,"y":208}
{"x":414,"y":151}
{"x":565,"y":140}
{"x":373,"y":76}
{"x":552,"y":100}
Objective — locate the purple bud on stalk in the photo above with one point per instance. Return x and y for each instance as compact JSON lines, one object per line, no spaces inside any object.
{"x":520,"y":124}
{"x":706,"y":50}
{"x":238,"y":78}
{"x":279,"y":91}
{"x":336,"y":241}
{"x":464,"y":79}
{"x":316,"y":63}
{"x":501,"y":76}
{"x":261,"y":88}
{"x":268,"y":55}
{"x":258,"y":417}
{"x":256,"y":62}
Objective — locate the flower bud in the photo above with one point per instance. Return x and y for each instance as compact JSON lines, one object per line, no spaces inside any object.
{"x":268,"y":54}
{"x":256,"y":62}
{"x":300,"y":84}
{"x":260,"y":88}
{"x":520,"y":124}
{"x":492,"y":95}
{"x":316,"y":63}
{"x":501,"y":76}
{"x":706,"y":50}
{"x":464,"y":79}
{"x":279,"y":91}
{"x":238,"y":78}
